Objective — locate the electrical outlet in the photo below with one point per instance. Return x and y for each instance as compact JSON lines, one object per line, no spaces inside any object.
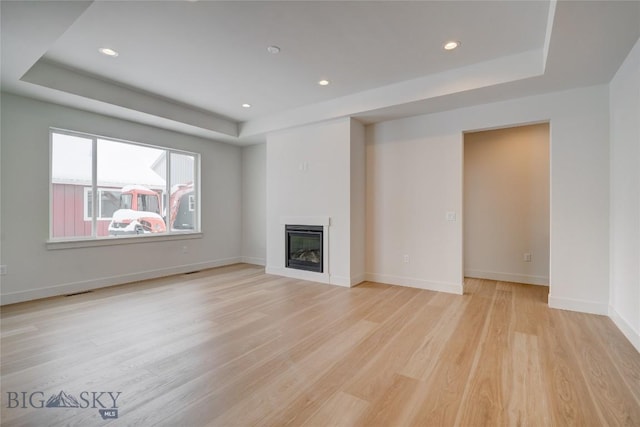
{"x":3,"y":270}
{"x":526,"y":257}
{"x":451,"y":216}
{"x":185,"y":249}
{"x":405,"y":259}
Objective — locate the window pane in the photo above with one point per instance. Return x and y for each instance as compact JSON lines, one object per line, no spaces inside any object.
{"x":70,"y":175}
{"x":127,"y":170}
{"x":109,"y":203}
{"x":183,"y":199}
{"x":88,"y":203}
{"x":125,"y":201}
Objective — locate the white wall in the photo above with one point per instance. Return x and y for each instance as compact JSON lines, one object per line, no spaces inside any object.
{"x":35,"y":272}
{"x":309,"y":177}
{"x":254,"y":203}
{"x":506,"y":204}
{"x":414,"y":176}
{"x":624,"y":92}
{"x":358,"y":205}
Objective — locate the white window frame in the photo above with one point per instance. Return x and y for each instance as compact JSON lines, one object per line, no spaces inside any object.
{"x":94,"y":240}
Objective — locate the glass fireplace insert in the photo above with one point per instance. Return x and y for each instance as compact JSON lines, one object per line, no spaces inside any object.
{"x":304,"y":247}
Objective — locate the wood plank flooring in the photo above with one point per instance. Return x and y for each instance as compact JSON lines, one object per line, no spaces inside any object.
{"x":235,"y":347}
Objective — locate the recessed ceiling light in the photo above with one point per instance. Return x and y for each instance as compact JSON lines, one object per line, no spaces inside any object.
{"x":323,"y":82}
{"x":246,"y":105}
{"x":107,"y":51}
{"x":273,"y":49}
{"x":451,"y":45}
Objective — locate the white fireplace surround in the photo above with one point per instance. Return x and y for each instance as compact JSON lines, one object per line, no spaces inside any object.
{"x":281,"y":270}
{"x":316,"y":176}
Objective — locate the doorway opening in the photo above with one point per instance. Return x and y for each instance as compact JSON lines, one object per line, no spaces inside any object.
{"x":506,"y":204}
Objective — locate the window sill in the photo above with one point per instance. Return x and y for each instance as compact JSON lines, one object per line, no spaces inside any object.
{"x":119,"y":240}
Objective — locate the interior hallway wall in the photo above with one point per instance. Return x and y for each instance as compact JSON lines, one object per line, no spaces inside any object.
{"x":414,"y":178}
{"x":624,"y":92}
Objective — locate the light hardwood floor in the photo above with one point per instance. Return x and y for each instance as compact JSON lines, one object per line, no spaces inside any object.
{"x":236,"y":347}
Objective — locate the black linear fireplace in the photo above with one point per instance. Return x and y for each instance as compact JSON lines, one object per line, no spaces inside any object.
{"x":304,"y":247}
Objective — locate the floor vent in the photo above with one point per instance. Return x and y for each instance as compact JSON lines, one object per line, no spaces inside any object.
{"x":78,"y":293}
{"x":192,"y":272}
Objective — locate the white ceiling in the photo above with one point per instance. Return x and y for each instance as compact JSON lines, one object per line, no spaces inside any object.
{"x":189,"y":66}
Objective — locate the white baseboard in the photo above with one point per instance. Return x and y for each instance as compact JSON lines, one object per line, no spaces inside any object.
{"x":311,"y":276}
{"x":293,"y":273}
{"x":626,"y":329}
{"x":255,"y":261}
{"x":340,"y":281}
{"x":87,"y":285}
{"x":357,"y":279}
{"x":452,"y":288}
{"x":581,"y":306}
{"x":508,"y":277}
